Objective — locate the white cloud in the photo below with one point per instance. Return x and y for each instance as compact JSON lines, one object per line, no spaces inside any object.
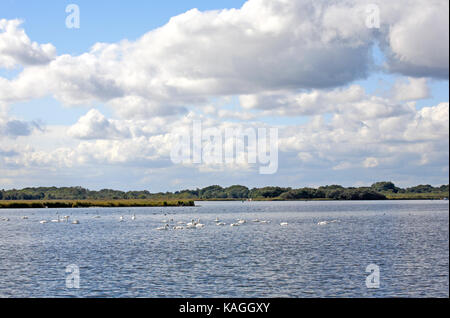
{"x":352,"y":101}
{"x":95,"y":125}
{"x":414,"y":89}
{"x":12,"y":127}
{"x":266,"y":46}
{"x":17,"y":49}
{"x":416,"y":37}
{"x":370,"y":162}
{"x":309,"y":103}
{"x":282,"y":58}
{"x":403,"y":138}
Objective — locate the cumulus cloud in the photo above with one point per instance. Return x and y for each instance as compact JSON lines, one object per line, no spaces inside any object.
{"x":410,"y":138}
{"x":17,"y":49}
{"x":307,"y":103}
{"x":347,"y":141}
{"x":264,"y":46}
{"x":281,"y":58}
{"x":12,"y":128}
{"x":353,"y":101}
{"x":413,"y":89}
{"x":94,"y":125}
{"x":416,"y":37}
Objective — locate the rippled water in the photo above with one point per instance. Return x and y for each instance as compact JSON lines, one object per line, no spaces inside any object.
{"x":408,"y":240}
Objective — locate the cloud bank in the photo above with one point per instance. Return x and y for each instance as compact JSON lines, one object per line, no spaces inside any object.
{"x":278,"y":58}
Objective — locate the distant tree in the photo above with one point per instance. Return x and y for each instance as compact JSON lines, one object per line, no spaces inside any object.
{"x":303,"y":193}
{"x":385,"y":186}
{"x":213,"y":192}
{"x":237,"y":192}
{"x":422,"y":188}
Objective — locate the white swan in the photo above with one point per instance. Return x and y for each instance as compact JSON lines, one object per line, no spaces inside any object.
{"x":191,"y":224}
{"x":163,"y":228}
{"x":284,"y":223}
{"x":199,"y":225}
{"x":121,"y":218}
{"x":264,"y":222}
{"x":133,"y":217}
{"x":242,"y":221}
{"x":322,"y":223}
{"x":256,"y":220}
{"x":43,"y":221}
{"x":75,"y":222}
{"x":220,"y":223}
{"x":57,"y":220}
{"x":178,"y":227}
{"x":234,"y":224}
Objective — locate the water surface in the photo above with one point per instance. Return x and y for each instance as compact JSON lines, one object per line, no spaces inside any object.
{"x":408,"y":240}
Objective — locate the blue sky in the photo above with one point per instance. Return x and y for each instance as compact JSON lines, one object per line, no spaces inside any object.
{"x":102,"y":20}
{"x":65,"y":113}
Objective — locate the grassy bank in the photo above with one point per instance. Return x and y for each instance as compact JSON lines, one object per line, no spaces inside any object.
{"x":416,"y":196}
{"x":400,"y":196}
{"x":36,"y":204}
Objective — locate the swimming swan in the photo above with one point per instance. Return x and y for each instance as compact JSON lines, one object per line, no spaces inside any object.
{"x":163,"y":228}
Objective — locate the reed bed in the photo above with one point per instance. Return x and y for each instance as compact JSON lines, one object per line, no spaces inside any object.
{"x":39,"y":204}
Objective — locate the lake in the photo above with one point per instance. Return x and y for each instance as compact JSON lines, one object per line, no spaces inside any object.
{"x":408,"y":241}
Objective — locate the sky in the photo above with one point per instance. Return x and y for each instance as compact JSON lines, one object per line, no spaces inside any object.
{"x":358,"y":91}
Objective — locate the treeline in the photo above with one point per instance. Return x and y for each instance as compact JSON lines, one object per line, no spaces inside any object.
{"x":378,"y":191}
{"x":389,"y":187}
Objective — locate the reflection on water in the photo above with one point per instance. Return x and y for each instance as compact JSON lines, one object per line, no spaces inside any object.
{"x":408,"y":240}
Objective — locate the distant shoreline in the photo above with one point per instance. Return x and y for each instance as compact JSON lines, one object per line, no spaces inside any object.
{"x":68,"y":197}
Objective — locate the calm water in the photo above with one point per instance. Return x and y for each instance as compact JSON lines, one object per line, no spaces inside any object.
{"x":408,"y":240}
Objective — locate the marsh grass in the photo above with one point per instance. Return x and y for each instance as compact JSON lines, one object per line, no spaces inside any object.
{"x":417,"y":196}
{"x":36,"y":204}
